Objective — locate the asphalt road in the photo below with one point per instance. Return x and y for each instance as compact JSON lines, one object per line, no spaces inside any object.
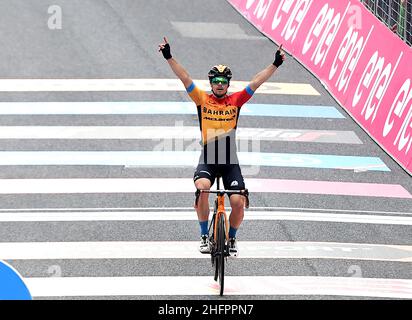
{"x":118,"y":39}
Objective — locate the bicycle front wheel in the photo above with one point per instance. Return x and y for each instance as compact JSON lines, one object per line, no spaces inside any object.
{"x":213,"y":249}
{"x":221,"y":249}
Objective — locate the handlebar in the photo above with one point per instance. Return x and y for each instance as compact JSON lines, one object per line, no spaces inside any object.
{"x":244,"y":193}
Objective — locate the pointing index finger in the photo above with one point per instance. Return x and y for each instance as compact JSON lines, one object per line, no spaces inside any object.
{"x":280,"y":47}
{"x":165,"y":40}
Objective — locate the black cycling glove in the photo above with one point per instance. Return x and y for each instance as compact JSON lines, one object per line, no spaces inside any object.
{"x":278,"y":59}
{"x":166,"y":52}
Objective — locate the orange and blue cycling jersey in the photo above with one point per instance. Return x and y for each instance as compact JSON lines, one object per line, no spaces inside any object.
{"x":218,"y":116}
{"x":218,"y":119}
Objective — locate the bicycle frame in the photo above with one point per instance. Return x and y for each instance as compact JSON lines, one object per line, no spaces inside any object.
{"x":220,"y":205}
{"x":220,"y":209}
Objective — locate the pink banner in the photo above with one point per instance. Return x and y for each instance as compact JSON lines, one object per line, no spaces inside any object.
{"x":363,"y":64}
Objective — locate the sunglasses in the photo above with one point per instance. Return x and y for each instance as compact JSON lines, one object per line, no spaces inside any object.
{"x":220,"y":80}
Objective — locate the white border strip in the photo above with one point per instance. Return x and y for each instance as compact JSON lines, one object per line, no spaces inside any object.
{"x":39,"y":216}
{"x":185,"y":185}
{"x":190,"y":209}
{"x":109,"y":85}
{"x":172,"y":132}
{"x":192,"y":285}
{"x":189,"y":250}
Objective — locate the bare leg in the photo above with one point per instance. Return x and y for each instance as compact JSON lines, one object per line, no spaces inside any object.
{"x":238,"y":212}
{"x":202,"y":208}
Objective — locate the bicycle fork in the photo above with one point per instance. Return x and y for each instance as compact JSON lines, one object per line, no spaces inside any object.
{"x":220,"y":205}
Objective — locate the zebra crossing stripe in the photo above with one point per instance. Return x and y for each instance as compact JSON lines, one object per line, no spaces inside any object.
{"x":39,"y":216}
{"x":182,"y":185}
{"x":169,"y":132}
{"x":109,"y":85}
{"x":234,"y":285}
{"x":187,"y":159}
{"x":160,"y":107}
{"x":189,"y":250}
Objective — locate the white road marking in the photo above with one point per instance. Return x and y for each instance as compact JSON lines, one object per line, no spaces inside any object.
{"x":39,"y":216}
{"x":161,"y":108}
{"x":46,"y":85}
{"x":189,"y":250}
{"x":213,"y":30}
{"x":328,"y":210}
{"x":194,"y":285}
{"x":169,"y":132}
{"x":163,"y":157}
{"x":171,"y":209}
{"x":177,"y":185}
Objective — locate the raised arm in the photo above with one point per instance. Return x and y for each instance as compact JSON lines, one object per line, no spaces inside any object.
{"x":176,"y":67}
{"x":266,"y":73}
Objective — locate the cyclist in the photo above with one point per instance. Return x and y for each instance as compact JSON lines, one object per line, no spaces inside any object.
{"x":218,"y":114}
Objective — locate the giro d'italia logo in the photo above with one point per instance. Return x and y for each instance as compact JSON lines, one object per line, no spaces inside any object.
{"x":12,"y":286}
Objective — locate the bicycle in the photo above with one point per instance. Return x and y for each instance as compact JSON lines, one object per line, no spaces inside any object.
{"x":219,"y":230}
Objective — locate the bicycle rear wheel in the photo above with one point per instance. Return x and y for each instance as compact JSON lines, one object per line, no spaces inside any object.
{"x":221,"y":249}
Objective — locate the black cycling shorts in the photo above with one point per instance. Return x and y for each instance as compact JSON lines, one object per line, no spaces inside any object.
{"x":230,"y":173}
